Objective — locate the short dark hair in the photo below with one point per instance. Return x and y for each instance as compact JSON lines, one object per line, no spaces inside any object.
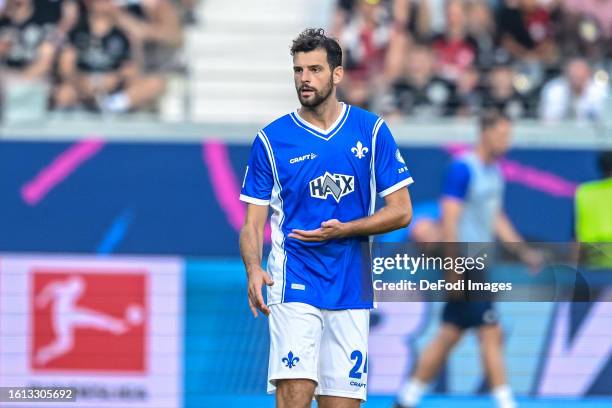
{"x":315,"y":38}
{"x":491,"y":117}
{"x":605,"y":163}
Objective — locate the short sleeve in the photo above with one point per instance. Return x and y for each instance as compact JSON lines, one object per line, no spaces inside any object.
{"x":456,"y":181}
{"x":258,"y":180}
{"x":389,"y":165}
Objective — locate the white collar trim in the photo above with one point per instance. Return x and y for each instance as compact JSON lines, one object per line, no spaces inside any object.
{"x":318,"y":129}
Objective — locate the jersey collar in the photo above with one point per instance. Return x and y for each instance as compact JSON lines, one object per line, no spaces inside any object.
{"x":323,"y":134}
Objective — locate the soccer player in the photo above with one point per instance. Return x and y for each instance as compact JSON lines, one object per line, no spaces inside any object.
{"x":320,"y":169}
{"x":471,"y":211}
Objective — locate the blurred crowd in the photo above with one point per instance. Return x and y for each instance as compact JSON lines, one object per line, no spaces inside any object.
{"x":96,"y":55}
{"x":547,"y":59}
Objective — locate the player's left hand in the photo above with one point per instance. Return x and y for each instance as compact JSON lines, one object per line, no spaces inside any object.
{"x":330,"y":229}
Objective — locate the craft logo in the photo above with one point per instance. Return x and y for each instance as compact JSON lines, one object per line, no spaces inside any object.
{"x":89,"y":321}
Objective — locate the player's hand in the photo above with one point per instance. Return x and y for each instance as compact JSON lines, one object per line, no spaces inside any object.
{"x":330,"y":229}
{"x":257,"y":277}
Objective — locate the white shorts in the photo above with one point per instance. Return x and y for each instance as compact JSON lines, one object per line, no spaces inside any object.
{"x":326,"y":346}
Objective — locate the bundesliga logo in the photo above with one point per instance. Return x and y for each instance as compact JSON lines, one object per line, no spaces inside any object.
{"x":337,"y":185}
{"x":94,"y":322}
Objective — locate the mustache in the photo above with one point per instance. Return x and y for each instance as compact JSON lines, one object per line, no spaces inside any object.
{"x":307,"y":88}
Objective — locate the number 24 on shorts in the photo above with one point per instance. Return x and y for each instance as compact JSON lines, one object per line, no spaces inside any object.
{"x":357,"y":356}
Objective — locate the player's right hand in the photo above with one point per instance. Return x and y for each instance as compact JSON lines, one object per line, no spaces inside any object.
{"x":257,"y":277}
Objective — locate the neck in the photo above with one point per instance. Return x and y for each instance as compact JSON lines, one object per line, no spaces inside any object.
{"x":483,"y":154}
{"x":322,"y":115}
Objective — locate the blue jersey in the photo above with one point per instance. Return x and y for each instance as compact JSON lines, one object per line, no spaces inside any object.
{"x":308,"y":175}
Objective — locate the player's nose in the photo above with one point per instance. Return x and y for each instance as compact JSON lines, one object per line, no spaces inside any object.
{"x":305,"y":76}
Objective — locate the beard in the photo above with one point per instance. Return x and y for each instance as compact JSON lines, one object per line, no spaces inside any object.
{"x":317,"y":97}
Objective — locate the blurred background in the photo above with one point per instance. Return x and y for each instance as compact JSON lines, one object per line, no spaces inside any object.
{"x":125,"y":129}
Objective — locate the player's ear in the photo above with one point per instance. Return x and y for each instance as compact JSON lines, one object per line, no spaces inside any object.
{"x":338,"y":74}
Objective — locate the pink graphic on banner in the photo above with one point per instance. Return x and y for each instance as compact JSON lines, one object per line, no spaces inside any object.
{"x":224,"y":183}
{"x":534,"y":178}
{"x":59,"y":170}
{"x":390,"y":355}
{"x":571,"y":367}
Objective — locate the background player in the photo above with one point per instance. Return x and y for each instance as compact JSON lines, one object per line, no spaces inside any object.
{"x":471,"y":211}
{"x":319,"y":169}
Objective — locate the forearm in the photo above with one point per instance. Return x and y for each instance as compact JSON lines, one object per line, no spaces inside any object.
{"x":166,"y":33}
{"x":42,"y":65}
{"x":509,"y":236}
{"x":449,"y":233}
{"x":515,"y":49}
{"x":251,"y":246}
{"x":505,"y":231}
{"x":451,"y":215}
{"x":386,"y":219}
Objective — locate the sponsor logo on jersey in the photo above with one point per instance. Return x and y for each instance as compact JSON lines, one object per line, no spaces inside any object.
{"x":360,"y":150}
{"x":399,"y":157}
{"x":309,"y":156}
{"x":336,"y":185}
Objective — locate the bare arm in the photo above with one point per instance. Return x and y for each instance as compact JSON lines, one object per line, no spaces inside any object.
{"x":505,"y":231}
{"x":164,"y":28}
{"x":251,"y":248}
{"x":401,"y":12}
{"x":70,"y":16}
{"x":67,"y":65}
{"x":451,"y":211}
{"x":515,"y":243}
{"x":423,"y":19}
{"x":43,"y":63}
{"x":396,"y":214}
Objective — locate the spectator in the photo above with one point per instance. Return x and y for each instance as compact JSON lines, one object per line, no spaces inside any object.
{"x":588,"y":27}
{"x":26,"y":48}
{"x":98,"y":68}
{"x":153,"y":28}
{"x":63,"y":14}
{"x":419,"y":92}
{"x":502,"y":95}
{"x":455,"y":51}
{"x":575,"y":95}
{"x":155,"y":21}
{"x":481,"y":28}
{"x":526,"y":31}
{"x":412,"y":17}
{"x":598,"y":10}
{"x":466,"y":100}
{"x":411,"y":23}
{"x":365,"y":40}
